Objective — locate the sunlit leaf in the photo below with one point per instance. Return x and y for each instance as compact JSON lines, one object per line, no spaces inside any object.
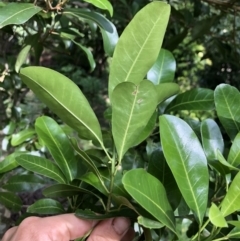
{"x":234,"y":153}
{"x":216,"y":217}
{"x":22,"y":136}
{"x":67,"y":101}
{"x":41,"y":166}
{"x":139,"y":45}
{"x":164,"y":68}
{"x":132,"y":108}
{"x":166,"y":90}
{"x":226,"y":100}
{"x":46,"y":206}
{"x":9,"y":163}
{"x":187,"y":161}
{"x":17,"y":13}
{"x":150,"y":194}
{"x":102,"y":4}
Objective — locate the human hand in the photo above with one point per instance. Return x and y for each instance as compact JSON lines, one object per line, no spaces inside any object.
{"x":67,"y":227}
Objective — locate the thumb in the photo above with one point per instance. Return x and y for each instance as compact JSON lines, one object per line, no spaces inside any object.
{"x":110,"y":230}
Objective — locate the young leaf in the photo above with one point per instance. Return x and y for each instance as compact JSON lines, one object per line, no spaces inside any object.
{"x":26,"y":182}
{"x":187,"y":162}
{"x":231,"y":201}
{"x":163,"y":69}
{"x":212,"y":139}
{"x":41,"y":166}
{"x":11,"y":201}
{"x":102,"y":4}
{"x":17,"y":13}
{"x":148,"y":223}
{"x":132,"y":107}
{"x":22,"y":136}
{"x":195,"y":99}
{"x":226,"y":99}
{"x":216,"y":217}
{"x":150,"y":194}
{"x":234,"y":153}
{"x":67,"y":101}
{"x":58,"y":145}
{"x":139,"y":45}
{"x":46,"y":206}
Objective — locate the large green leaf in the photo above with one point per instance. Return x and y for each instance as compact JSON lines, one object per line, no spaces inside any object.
{"x":195,"y":99}
{"x":97,"y":18}
{"x":11,"y":201}
{"x":41,"y":166}
{"x":139,"y":45}
{"x":26,"y":182}
{"x":150,"y":194}
{"x":227,"y":105}
{"x":103,"y":4}
{"x":58,"y":144}
{"x":231,"y":201}
{"x":132,"y":107}
{"x":46,"y":206}
{"x":22,"y":136}
{"x":67,"y":100}
{"x":212,"y":139}
{"x":17,"y":13}
{"x":234,"y":153}
{"x":187,"y":161}
{"x":164,"y":68}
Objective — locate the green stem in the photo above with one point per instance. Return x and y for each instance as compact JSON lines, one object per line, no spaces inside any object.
{"x":202,"y":228}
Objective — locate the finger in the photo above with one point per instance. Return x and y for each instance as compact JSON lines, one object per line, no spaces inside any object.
{"x":8,"y":235}
{"x":129,"y":235}
{"x":111,"y":229}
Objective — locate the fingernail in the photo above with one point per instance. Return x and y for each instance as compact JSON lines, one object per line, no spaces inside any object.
{"x":121,"y":225}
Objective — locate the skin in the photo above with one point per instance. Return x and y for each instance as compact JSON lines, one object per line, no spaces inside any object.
{"x":67,"y":227}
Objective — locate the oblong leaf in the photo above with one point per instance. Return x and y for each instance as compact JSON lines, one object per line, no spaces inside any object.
{"x":46,"y":206}
{"x":9,"y":163}
{"x":22,"y":136}
{"x":226,"y":99}
{"x":11,"y":201}
{"x":132,"y":107}
{"x":41,"y":166}
{"x":231,"y":201}
{"x":102,"y":4}
{"x":187,"y":161}
{"x":212,"y":139}
{"x":148,"y":223}
{"x":17,"y":13}
{"x":139,"y":45}
{"x":216,"y":217}
{"x":58,"y":145}
{"x":195,"y":99}
{"x":67,"y":100}
{"x":163,"y":69}
{"x":150,"y":194}
{"x":234,"y":153}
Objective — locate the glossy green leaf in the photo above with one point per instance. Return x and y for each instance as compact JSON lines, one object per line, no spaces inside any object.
{"x":58,"y":145}
{"x":234,"y":153}
{"x":166,"y":90}
{"x":222,"y":159}
{"x":187,"y":161}
{"x":235,"y":233}
{"x":22,"y":136}
{"x":67,"y":101}
{"x":150,"y":194}
{"x":46,"y":206}
{"x":102,"y":4}
{"x":139,"y":45}
{"x":148,"y":223}
{"x":11,"y":201}
{"x":17,"y":13}
{"x":9,"y":163}
{"x":231,"y":201}
{"x":110,"y":40}
{"x":226,"y":100}
{"x":164,"y":68}
{"x":216,"y":217}
{"x":97,"y":18}
{"x":212,"y":139}
{"x":195,"y":99}
{"x":89,"y":55}
{"x":132,"y":107}
{"x":41,"y":166}
{"x":26,"y":182}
